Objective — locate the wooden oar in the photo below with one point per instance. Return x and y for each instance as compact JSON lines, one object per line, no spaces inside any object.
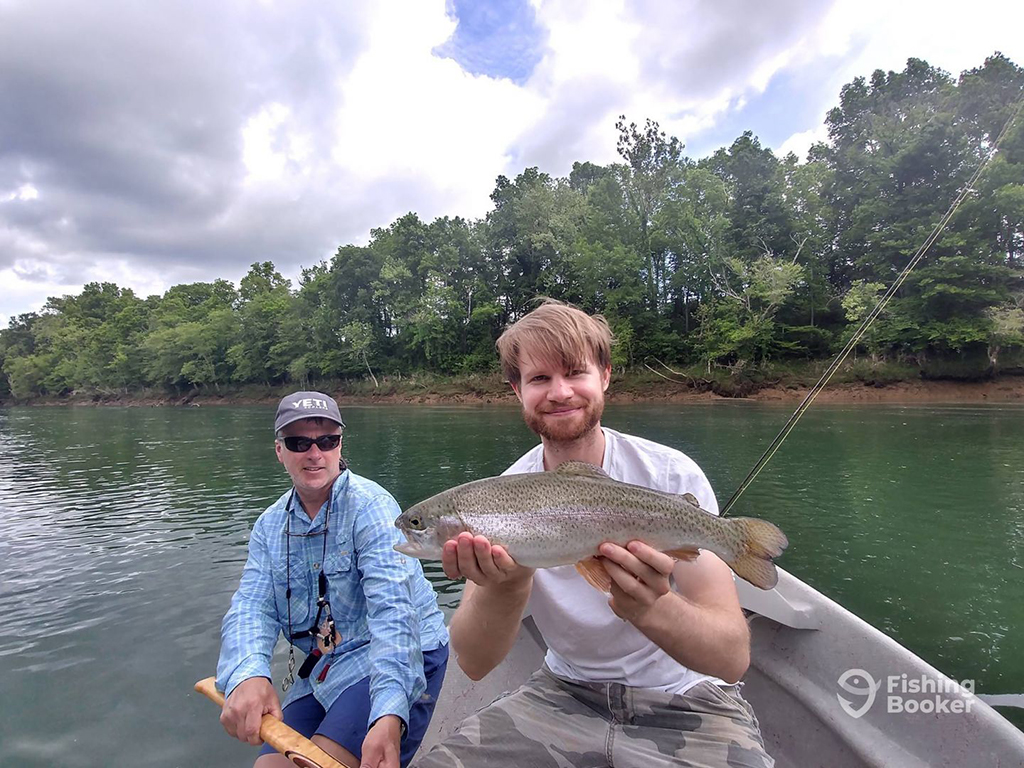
{"x":285,"y":740}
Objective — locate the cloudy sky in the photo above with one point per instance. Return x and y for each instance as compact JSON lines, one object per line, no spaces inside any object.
{"x":155,"y":143}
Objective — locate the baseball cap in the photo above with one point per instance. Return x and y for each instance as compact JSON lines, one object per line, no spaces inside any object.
{"x":306,"y":405}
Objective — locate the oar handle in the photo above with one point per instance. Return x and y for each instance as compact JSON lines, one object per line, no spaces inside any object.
{"x":285,"y":740}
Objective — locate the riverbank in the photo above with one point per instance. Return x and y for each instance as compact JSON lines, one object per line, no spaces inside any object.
{"x":631,"y":387}
{"x":1004,"y":389}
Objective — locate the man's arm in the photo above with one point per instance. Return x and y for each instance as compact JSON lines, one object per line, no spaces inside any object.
{"x":486,"y":623}
{"x":396,"y":659}
{"x":701,"y":626}
{"x":248,"y":634}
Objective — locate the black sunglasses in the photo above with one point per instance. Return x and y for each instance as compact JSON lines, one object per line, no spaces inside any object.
{"x":302,"y":444}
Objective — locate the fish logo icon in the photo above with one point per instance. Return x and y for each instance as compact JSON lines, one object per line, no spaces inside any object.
{"x":850,"y":681}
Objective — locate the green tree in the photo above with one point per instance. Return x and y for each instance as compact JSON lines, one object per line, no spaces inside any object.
{"x":759,"y":218}
{"x":17,"y":342}
{"x":740,"y":327}
{"x":859,"y":299}
{"x":531,"y":234}
{"x":902,"y":149}
{"x":262,"y":354}
{"x":653,"y":163}
{"x":353,"y":274}
{"x":693,"y":223}
{"x":1006,"y":328}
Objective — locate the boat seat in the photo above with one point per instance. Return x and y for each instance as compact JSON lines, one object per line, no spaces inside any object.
{"x":788,"y":610}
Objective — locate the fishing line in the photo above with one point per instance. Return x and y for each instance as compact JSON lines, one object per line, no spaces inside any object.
{"x":870,"y":317}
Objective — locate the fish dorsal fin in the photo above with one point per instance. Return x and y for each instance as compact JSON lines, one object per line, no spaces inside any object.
{"x":580,"y":468}
{"x":689,"y":497}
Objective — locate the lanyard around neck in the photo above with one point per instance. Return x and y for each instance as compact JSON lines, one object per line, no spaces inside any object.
{"x":321,"y":579}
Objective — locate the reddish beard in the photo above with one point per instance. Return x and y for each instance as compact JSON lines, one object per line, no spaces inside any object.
{"x":566,"y":429}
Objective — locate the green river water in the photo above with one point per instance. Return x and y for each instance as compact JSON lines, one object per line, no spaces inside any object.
{"x":123,"y":533}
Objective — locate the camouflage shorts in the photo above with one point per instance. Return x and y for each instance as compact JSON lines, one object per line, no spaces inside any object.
{"x":559,"y":723}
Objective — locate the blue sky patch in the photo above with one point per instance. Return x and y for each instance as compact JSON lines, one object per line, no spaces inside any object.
{"x":497,"y":38}
{"x":793,"y":102}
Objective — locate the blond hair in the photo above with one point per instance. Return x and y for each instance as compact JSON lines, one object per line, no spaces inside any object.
{"x":555,"y":332}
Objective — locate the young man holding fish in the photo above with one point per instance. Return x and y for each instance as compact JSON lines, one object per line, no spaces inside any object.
{"x":646,"y":676}
{"x":323,"y":571}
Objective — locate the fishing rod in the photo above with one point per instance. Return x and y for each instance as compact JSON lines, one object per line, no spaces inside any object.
{"x":870,"y":317}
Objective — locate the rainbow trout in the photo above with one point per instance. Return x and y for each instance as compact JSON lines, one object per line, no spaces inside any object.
{"x":546,"y":519}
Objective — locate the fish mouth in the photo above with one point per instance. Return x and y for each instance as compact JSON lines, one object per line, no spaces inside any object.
{"x":407,"y":548}
{"x":419,"y":545}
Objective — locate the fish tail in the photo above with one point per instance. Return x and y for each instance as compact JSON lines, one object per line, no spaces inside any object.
{"x":760,"y":541}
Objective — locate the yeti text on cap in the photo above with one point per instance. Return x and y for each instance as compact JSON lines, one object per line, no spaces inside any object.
{"x":310,"y":402}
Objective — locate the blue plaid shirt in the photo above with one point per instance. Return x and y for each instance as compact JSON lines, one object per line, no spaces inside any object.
{"x":382,"y":603}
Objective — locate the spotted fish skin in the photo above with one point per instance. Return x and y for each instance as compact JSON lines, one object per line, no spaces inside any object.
{"x":547,"y":519}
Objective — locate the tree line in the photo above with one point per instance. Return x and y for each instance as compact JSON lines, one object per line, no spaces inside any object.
{"x":738,"y":259}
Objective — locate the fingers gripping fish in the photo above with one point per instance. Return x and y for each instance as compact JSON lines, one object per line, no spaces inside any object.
{"x":547,"y":519}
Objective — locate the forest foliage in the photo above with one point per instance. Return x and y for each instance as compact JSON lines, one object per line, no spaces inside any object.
{"x":735,"y":260}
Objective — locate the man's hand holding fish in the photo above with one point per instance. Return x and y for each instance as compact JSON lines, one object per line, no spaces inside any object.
{"x":504,"y":588}
{"x":640,"y":577}
{"x":476,"y":559}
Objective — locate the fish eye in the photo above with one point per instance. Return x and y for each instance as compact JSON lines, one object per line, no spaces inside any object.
{"x":416,"y":523}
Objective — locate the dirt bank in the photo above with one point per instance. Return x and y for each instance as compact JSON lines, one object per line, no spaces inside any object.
{"x":1006,"y":389}
{"x":624,"y":389}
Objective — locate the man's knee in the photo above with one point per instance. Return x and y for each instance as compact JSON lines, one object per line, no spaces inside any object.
{"x":536,"y":725}
{"x":273,"y":761}
{"x":335,"y":750}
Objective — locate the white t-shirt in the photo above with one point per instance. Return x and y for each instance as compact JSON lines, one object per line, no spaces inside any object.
{"x":586,"y":641}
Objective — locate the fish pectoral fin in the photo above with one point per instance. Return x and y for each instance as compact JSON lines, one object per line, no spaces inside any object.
{"x":689,"y":497}
{"x":595,"y":573}
{"x":580,"y":468}
{"x":683,"y":554}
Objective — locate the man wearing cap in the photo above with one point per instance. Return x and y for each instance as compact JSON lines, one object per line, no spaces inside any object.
{"x":322,"y":571}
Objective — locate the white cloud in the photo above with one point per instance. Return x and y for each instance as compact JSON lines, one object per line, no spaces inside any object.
{"x":20,"y":295}
{"x":24,"y":192}
{"x":412,"y":120}
{"x":586,"y":41}
{"x":28,"y":283}
{"x":272,"y":145}
{"x":884,"y":34}
{"x":679,"y":64}
{"x":800,"y":142}
{"x":857,"y":37}
{"x":293,"y":133}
